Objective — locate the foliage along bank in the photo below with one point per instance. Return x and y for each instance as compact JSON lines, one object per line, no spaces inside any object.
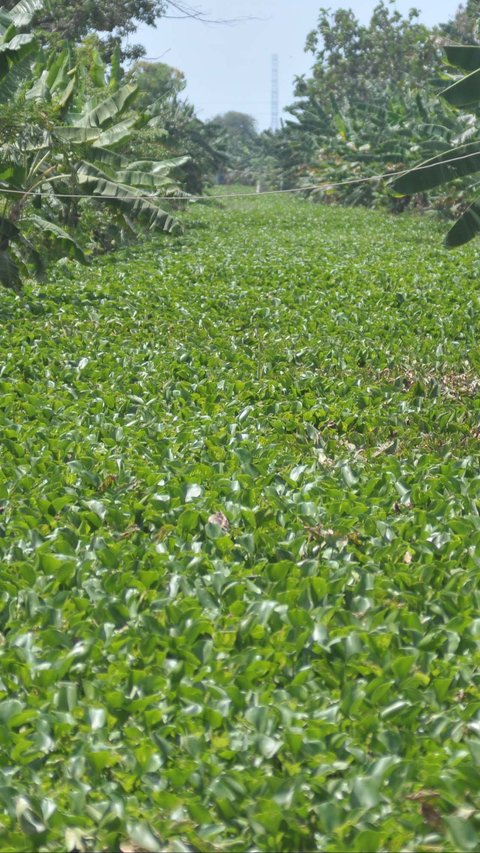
{"x":86,"y":162}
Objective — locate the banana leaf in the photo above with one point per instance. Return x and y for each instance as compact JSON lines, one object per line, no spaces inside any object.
{"x":64,"y":244}
{"x":108,"y":108}
{"x":40,"y":90}
{"x":431,"y":173}
{"x":129,"y":199}
{"x":55,"y":80}
{"x":97,"y":69}
{"x":156,"y":167}
{"x":8,"y":229}
{"x":76,"y":135}
{"x":15,"y":49}
{"x":22,"y":14}
{"x":57,"y":70}
{"x":5,"y":22}
{"x":115,"y":69}
{"x":108,"y":159}
{"x":119,"y":132}
{"x":67,"y":93}
{"x":9,"y":272}
{"x":466,"y":57}
{"x":14,"y":78}
{"x":464,"y":92}
{"x":144,"y":180}
{"x":465,"y":228}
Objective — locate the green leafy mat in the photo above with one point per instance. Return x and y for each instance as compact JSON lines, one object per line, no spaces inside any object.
{"x":240,"y":531}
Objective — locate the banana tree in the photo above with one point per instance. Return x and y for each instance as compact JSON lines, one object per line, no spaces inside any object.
{"x":463,"y":159}
{"x":25,"y":146}
{"x":93,"y":167}
{"x":58,"y":146}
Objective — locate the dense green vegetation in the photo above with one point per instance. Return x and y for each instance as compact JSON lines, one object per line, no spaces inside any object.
{"x":81,"y":125}
{"x":76,"y":129}
{"x":462,"y":160}
{"x":370,"y":109}
{"x":66,"y":124}
{"x":239,"y":541}
{"x":239,"y":504}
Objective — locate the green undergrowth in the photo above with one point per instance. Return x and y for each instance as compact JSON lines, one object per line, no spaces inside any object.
{"x":240,"y":532}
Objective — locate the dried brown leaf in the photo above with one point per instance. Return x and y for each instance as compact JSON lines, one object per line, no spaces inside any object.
{"x":431,"y":815}
{"x":107,"y":482}
{"x":220,"y":519}
{"x":134,"y":528}
{"x":131,"y":847}
{"x":423,"y":795}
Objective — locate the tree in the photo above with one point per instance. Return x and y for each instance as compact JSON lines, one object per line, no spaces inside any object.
{"x":66,"y":122}
{"x":463,"y":27}
{"x":59,"y":20}
{"x":239,"y":125}
{"x":461,"y":161}
{"x":157,"y":81}
{"x":349,"y":117}
{"x":240,"y":142}
{"x":56,"y":20}
{"x":357,"y":61}
{"x":172,"y":127}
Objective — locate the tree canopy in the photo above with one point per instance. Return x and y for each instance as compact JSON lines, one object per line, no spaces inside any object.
{"x":356,"y":60}
{"x":156,"y":81}
{"x":58,"y":20}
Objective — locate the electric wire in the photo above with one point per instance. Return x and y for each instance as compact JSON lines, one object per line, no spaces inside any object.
{"x":324,"y":185}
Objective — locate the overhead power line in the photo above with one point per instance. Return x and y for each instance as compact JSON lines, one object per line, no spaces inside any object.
{"x":324,"y":185}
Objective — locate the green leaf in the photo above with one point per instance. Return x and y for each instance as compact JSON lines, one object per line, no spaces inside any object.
{"x":188,"y":520}
{"x":14,"y":79}
{"x":120,"y":132}
{"x":100,"y":759}
{"x":466,"y":57}
{"x":466,"y":227}
{"x":109,"y":159}
{"x":9,"y":272}
{"x":269,"y":815}
{"x":10,"y":708}
{"x":464,"y":92}
{"x":109,"y":107}
{"x":157,"y":167}
{"x":96,"y":506}
{"x":23,"y":11}
{"x":97,"y":718}
{"x":130,"y":199}
{"x":368,"y":841}
{"x":436,"y":171}
{"x":141,"y":834}
{"x":365,"y":792}
{"x":192,"y":491}
{"x":348,"y":475}
{"x":17,"y":48}
{"x":63,"y":243}
{"x":145,"y":181}
{"x":268,"y":746}
{"x":77,"y":135}
{"x":463,"y":833}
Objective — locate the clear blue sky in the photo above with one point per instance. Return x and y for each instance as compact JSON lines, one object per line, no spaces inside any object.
{"x":228,"y":65}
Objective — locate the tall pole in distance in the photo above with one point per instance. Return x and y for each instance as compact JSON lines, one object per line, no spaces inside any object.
{"x":274,"y":119}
